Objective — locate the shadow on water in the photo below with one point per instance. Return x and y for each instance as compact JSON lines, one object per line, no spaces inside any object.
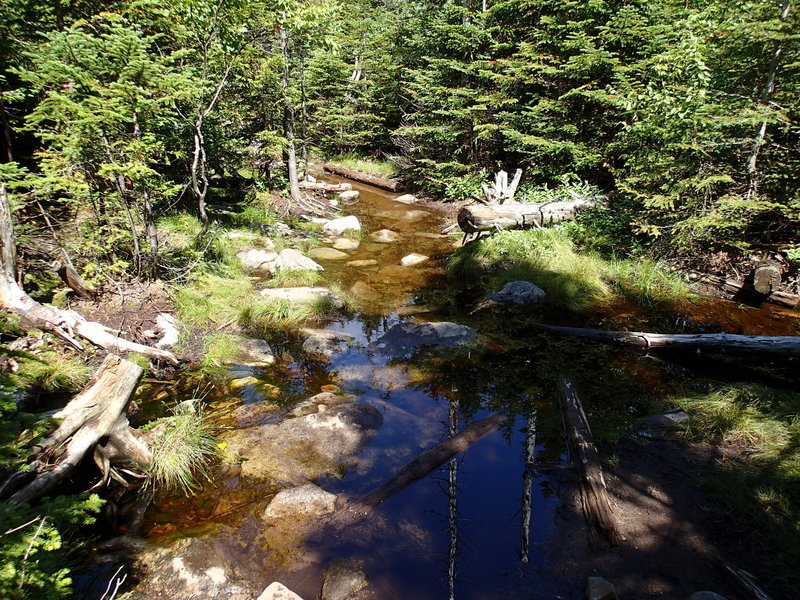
{"x":484,"y":526}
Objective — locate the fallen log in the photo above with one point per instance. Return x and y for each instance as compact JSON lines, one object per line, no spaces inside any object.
{"x":775,"y":344}
{"x":66,"y":324}
{"x":326,"y":187}
{"x":426,"y":462}
{"x":735,"y":287}
{"x":766,"y":277}
{"x":482,"y":217}
{"x":95,"y":421}
{"x":596,"y":505}
{"x":374,"y":180}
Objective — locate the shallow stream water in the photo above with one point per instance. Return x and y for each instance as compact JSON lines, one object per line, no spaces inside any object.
{"x":482,"y":526}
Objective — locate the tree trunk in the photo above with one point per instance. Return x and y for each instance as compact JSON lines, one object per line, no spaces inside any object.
{"x":481,"y":217}
{"x":326,"y":187}
{"x":374,"y":180}
{"x":773,"y":344}
{"x":737,"y":287}
{"x":769,"y":89}
{"x":766,"y":277}
{"x":66,"y":324}
{"x":596,"y":504}
{"x":288,"y":118}
{"x":96,"y":414}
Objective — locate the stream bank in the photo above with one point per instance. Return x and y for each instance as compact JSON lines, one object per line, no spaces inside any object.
{"x":489,"y":525}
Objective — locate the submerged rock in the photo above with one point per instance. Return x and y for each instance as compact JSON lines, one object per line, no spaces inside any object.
{"x":304,"y":448}
{"x":346,"y":244}
{"x":519,"y":292}
{"x":362,"y":263}
{"x":407,"y":199}
{"x":294,"y":260}
{"x":598,"y":588}
{"x":349,"y":196}
{"x":364,"y":291}
{"x":706,"y":595}
{"x":413,"y":259}
{"x":325,"y":343}
{"x":304,"y":295}
{"x":254,"y":353}
{"x":384,"y":236}
{"x":341,"y":580}
{"x":307,"y":500}
{"x":278,"y":591}
{"x":328,"y":254}
{"x":339,"y":226}
{"x":404,"y":336}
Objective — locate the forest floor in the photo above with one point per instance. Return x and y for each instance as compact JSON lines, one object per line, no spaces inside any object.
{"x":678,"y":539}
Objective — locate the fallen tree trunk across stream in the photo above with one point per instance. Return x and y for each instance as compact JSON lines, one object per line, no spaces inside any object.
{"x":379,"y":182}
{"x":596,"y":504}
{"x":775,"y":344}
{"x":94,"y":420}
{"x":490,"y":217}
{"x":325,"y":187}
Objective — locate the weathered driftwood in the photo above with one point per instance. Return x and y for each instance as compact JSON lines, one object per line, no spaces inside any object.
{"x":379,"y":182}
{"x":776,"y":344}
{"x":65,"y":324}
{"x":596,"y":504}
{"x":92,"y":421}
{"x":426,"y":462}
{"x":733,"y":286}
{"x":71,"y":277}
{"x":502,"y":192}
{"x":481,"y":217}
{"x":325,"y":187}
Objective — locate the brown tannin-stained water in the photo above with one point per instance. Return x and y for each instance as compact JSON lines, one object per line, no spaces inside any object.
{"x":478,"y":528}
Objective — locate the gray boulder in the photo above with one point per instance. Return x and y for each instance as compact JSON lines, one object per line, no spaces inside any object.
{"x":278,"y":591}
{"x":413,"y":259}
{"x":257,"y":259}
{"x":294,"y":260}
{"x":519,"y":292}
{"x":407,"y":199}
{"x":341,"y":580}
{"x":349,"y":197}
{"x":339,"y":226}
{"x":254,"y":353}
{"x":307,"y":500}
{"x":346,"y":244}
{"x":328,"y":254}
{"x":325,"y":343}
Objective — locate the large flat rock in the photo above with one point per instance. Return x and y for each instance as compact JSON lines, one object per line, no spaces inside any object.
{"x":303,"y":295}
{"x":405,"y":336}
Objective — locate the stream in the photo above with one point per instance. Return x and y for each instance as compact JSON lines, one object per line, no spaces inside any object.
{"x":481,"y":527}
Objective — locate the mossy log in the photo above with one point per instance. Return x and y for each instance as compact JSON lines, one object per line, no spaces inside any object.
{"x":483,"y":217}
{"x":775,"y":344}
{"x":93,"y":421}
{"x":374,"y":180}
{"x":596,"y":504}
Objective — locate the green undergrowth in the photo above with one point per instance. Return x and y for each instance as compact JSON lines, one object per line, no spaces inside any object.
{"x":381,"y":168}
{"x":183,"y":448}
{"x":572,"y":279}
{"x":760,"y":485}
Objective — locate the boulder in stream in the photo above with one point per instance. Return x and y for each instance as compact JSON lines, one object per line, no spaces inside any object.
{"x":341,"y":580}
{"x":278,"y":591}
{"x":301,"y":449}
{"x":254,"y":353}
{"x":346,"y":244}
{"x":407,"y":199}
{"x":294,"y":260}
{"x":342,"y":224}
{"x":304,"y":295}
{"x":307,"y":500}
{"x":413,"y":259}
{"x":349,"y":196}
{"x":404,"y":336}
{"x":325,"y":343}
{"x":519,"y":292}
{"x":384,"y":236}
{"x":328,"y":254}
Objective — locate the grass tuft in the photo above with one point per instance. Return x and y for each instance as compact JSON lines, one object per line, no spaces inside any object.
{"x":381,"y":168}
{"x":183,"y":448}
{"x":302,"y":278}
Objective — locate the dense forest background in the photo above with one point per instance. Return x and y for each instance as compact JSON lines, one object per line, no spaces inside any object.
{"x":687,"y":113}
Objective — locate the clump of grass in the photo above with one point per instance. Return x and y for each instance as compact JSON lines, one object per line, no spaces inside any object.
{"x":257,"y":210}
{"x":301,"y":278}
{"x":381,"y":168}
{"x":183,"y":447}
{"x":572,"y":279}
{"x":212,"y":300}
{"x":51,"y":372}
{"x":353,"y":234}
{"x":268,"y":314}
{"x":179,"y":230}
{"x":219,"y":348}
